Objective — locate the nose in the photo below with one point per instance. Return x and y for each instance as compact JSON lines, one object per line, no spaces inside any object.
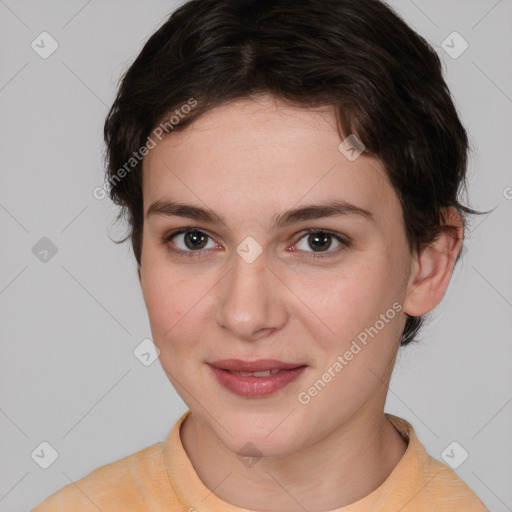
{"x":252,"y":300}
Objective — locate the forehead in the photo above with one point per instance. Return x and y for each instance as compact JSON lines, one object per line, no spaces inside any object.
{"x":262,"y":154}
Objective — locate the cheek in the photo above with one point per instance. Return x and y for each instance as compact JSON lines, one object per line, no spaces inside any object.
{"x":364,"y":314}
{"x":362,"y":306}
{"x":163,"y":289}
{"x":166,"y":294}
{"x":349,"y":298}
{"x":179,"y":309}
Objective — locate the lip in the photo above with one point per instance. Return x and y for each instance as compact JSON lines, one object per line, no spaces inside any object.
{"x":255,"y":387}
{"x":253,"y":366}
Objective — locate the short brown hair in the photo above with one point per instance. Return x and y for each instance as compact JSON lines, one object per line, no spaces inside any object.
{"x":383,"y":80}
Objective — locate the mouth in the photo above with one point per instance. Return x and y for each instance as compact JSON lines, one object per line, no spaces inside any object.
{"x":263,"y":373}
{"x":255,"y":378}
{"x":254,"y":367}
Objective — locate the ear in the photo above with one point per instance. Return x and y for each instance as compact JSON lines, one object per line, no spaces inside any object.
{"x":432,"y":268}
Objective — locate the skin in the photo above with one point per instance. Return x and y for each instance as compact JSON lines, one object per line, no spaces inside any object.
{"x":249,"y":160}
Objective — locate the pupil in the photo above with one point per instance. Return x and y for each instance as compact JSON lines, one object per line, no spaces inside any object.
{"x":319,"y":237}
{"x":197,"y":238}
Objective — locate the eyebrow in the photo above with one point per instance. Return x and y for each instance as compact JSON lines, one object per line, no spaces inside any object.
{"x":286,"y":218}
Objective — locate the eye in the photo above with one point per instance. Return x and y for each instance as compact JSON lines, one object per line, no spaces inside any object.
{"x":321,"y":239}
{"x":189,"y":241}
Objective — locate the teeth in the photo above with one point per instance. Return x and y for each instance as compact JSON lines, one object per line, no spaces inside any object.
{"x":264,"y":373}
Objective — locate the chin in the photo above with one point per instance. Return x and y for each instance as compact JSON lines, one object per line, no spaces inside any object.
{"x":260,"y":435}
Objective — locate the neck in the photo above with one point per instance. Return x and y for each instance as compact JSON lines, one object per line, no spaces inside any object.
{"x":343,"y":467}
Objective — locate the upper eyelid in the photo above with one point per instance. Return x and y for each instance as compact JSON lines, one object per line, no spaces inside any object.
{"x":182,"y":231}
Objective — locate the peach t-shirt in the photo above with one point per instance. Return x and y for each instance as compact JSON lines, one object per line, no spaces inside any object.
{"x":161,"y":478}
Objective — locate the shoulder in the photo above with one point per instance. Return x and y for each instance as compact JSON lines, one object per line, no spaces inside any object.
{"x":120,"y":485}
{"x":426,"y":482}
{"x":445,"y":487}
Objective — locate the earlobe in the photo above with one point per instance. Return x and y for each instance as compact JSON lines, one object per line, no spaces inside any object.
{"x":433,"y":267}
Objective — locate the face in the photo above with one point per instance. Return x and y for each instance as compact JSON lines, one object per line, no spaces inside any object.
{"x":257,"y":287}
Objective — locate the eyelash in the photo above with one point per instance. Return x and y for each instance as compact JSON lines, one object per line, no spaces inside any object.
{"x":345,"y":243}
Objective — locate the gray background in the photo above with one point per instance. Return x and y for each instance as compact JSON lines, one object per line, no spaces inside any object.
{"x":69,"y":326}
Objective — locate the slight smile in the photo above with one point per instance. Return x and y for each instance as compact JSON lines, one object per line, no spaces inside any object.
{"x":255,"y":379}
